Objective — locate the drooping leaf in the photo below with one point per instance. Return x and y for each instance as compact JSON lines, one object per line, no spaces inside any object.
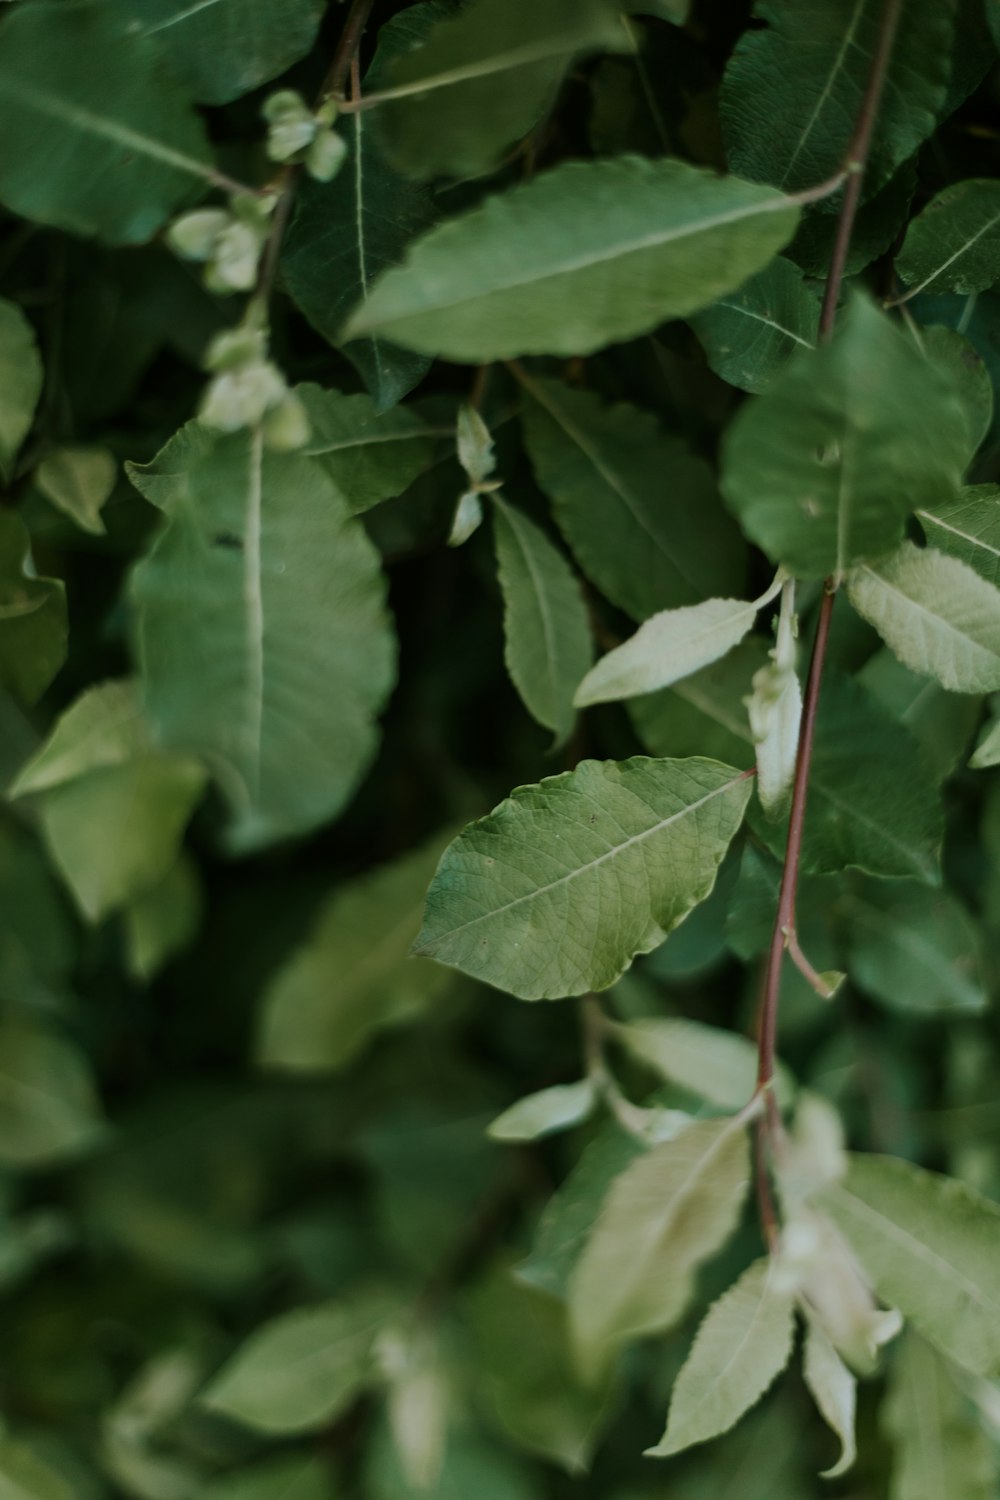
{"x":916,"y":950}
{"x":931,"y":1247}
{"x":741,"y":1348}
{"x":824,"y":467}
{"x":816,"y":56}
{"x":672,"y":1208}
{"x":557,"y":890}
{"x":228,"y":47}
{"x":346,"y":232}
{"x":935,"y":613}
{"x":262,"y":636}
{"x":78,"y":481}
{"x":719,"y":1065}
{"x":942,"y":722}
{"x":547,"y":634}
{"x":550,"y":1110}
{"x":834,"y":1389}
{"x":48,"y":1106}
{"x":751,"y":334}
{"x":32,"y":616}
{"x":162,"y":920}
{"x":523,"y":1347}
{"x":668,"y":647}
{"x":20,"y":382}
{"x":640,"y":510}
{"x":775,"y":712}
{"x":299,"y":1371}
{"x":352,"y":976}
{"x":941,"y":1451}
{"x":483,"y":78}
{"x":704,"y":713}
{"x":99,"y":138}
{"x":587,"y":254}
{"x":370,"y":456}
{"x":953,"y":245}
{"x":968,"y":528}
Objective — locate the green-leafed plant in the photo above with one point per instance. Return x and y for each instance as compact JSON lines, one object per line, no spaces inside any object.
{"x":367,"y":369}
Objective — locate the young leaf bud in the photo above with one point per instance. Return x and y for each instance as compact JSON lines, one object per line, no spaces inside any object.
{"x":286,"y":426}
{"x":193,"y":236}
{"x":325,"y":157}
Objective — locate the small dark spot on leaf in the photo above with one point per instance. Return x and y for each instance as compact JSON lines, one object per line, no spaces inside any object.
{"x":227,"y":539}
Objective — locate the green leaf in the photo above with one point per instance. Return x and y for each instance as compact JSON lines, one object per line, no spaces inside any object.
{"x":931,"y":1247}
{"x":824,"y":467}
{"x":834,"y":1389}
{"x":876,"y":226}
{"x":228,"y":47}
{"x":749,"y":336}
{"x":32,"y":616}
{"x":941,"y":1451}
{"x":719,"y":1065}
{"x":99,"y":137}
{"x":587,"y":254}
{"x":705,"y":713}
{"x":916,"y":950}
{"x":668,"y":647}
{"x":968,"y":528}
{"x":292,"y":1477}
{"x":103,"y":727}
{"x":472,"y":1466}
{"x":48,"y":1107}
{"x":640,"y":510}
{"x":162,"y":921}
{"x":483,"y":78}
{"x":557,"y":890}
{"x":942,"y":722}
{"x":935,"y":613}
{"x":301,"y":1370}
{"x":668,"y":10}
{"x":78,"y":481}
{"x":987,"y":751}
{"x":344,"y":233}
{"x":262,"y":636}
{"x":524,"y":1355}
{"x":23,"y":1476}
{"x":953,"y":245}
{"x":370,"y":456}
{"x":862,"y":812}
{"x":352,"y":976}
{"x":546,"y":630}
{"x":816,"y":56}
{"x":37,"y":933}
{"x":674,"y":1207}
{"x":964,"y":367}
{"x":21,"y":379}
{"x":741,"y":1348}
{"x":545,"y":1113}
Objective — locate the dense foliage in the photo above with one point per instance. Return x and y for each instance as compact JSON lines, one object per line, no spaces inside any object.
{"x":401,"y":404}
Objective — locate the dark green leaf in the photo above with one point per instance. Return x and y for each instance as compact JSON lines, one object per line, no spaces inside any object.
{"x":751,"y":334}
{"x":20,"y":382}
{"x":32,"y":616}
{"x":226,"y":48}
{"x":953,"y":245}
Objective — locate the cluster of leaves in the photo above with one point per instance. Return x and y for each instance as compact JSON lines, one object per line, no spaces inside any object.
{"x":335,"y":439}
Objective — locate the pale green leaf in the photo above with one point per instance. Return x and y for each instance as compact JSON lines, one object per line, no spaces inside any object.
{"x":262,"y":637}
{"x":545,"y":1113}
{"x":474,"y":445}
{"x":78,"y":481}
{"x":937,"y":615}
{"x":103,"y":727}
{"x":916,"y":950}
{"x":163,"y":919}
{"x":32,"y":616}
{"x":815,"y":56}
{"x":663,"y":1217}
{"x":987,"y":751}
{"x":352,"y":976}
{"x":639,"y":508}
{"x":968,"y":528}
{"x":667,"y":647}
{"x":587,"y":254}
{"x":834,"y":1389}
{"x":942,"y":722}
{"x":546,"y":630}
{"x":299,"y":1371}
{"x":345,"y":232}
{"x":523,"y":1351}
{"x":775,"y":712}
{"x":705,"y":713}
{"x":99,"y":138}
{"x":369,"y":456}
{"x":295,"y":1477}
{"x":751,"y":334}
{"x":824,"y":467}
{"x":557,"y":890}
{"x":20,"y":382}
{"x":953,"y":245}
{"x":24,"y":1476}
{"x":931,"y":1247}
{"x":227,"y":47}
{"x":741,"y":1347}
{"x":719,"y":1065}
{"x":483,"y":78}
{"x":48,"y":1107}
{"x":941,"y":1451}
